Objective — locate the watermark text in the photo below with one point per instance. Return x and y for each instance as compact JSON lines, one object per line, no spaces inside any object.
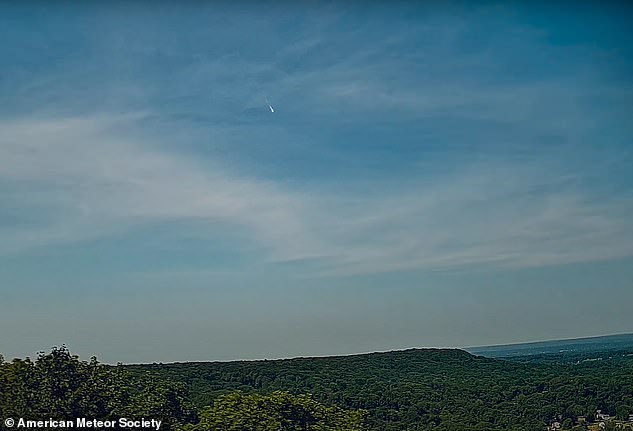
{"x":83,"y":423}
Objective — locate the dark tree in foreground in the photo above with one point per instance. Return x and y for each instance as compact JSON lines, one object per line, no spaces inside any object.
{"x":275,"y":412}
{"x":58,"y":385}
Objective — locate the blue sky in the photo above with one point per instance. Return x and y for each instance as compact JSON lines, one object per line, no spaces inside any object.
{"x":437,"y":175}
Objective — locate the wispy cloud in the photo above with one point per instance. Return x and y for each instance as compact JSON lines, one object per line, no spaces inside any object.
{"x":79,"y":179}
{"x":83,"y":178}
{"x":503,"y":196}
{"x":493,"y":217}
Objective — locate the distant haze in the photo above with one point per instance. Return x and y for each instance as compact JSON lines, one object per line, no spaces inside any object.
{"x":433,"y":175}
{"x":590,"y":345}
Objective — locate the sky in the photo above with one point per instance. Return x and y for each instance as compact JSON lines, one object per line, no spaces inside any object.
{"x":436,"y":174}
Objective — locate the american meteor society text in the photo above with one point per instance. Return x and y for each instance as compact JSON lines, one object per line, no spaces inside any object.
{"x":121,"y":423}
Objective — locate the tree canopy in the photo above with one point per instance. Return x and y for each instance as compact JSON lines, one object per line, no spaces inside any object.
{"x":424,"y":389}
{"x":276,"y":411}
{"x":58,"y":385}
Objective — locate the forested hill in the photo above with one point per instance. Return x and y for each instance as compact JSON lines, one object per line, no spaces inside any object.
{"x":419,"y":389}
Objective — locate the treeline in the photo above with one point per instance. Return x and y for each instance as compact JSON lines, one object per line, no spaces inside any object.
{"x":424,"y":389}
{"x":429,"y":389}
{"x":59,"y":386}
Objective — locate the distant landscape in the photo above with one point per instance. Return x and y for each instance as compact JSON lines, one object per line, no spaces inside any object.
{"x":557,"y":347}
{"x":415,"y":389}
{"x":442,"y":389}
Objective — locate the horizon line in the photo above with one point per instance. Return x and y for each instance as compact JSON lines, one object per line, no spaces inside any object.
{"x":465,"y":349}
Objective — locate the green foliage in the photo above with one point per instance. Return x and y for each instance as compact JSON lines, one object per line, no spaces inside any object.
{"x":439,"y":389}
{"x":623,"y":411}
{"x":275,"y":412}
{"x":58,"y":385}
